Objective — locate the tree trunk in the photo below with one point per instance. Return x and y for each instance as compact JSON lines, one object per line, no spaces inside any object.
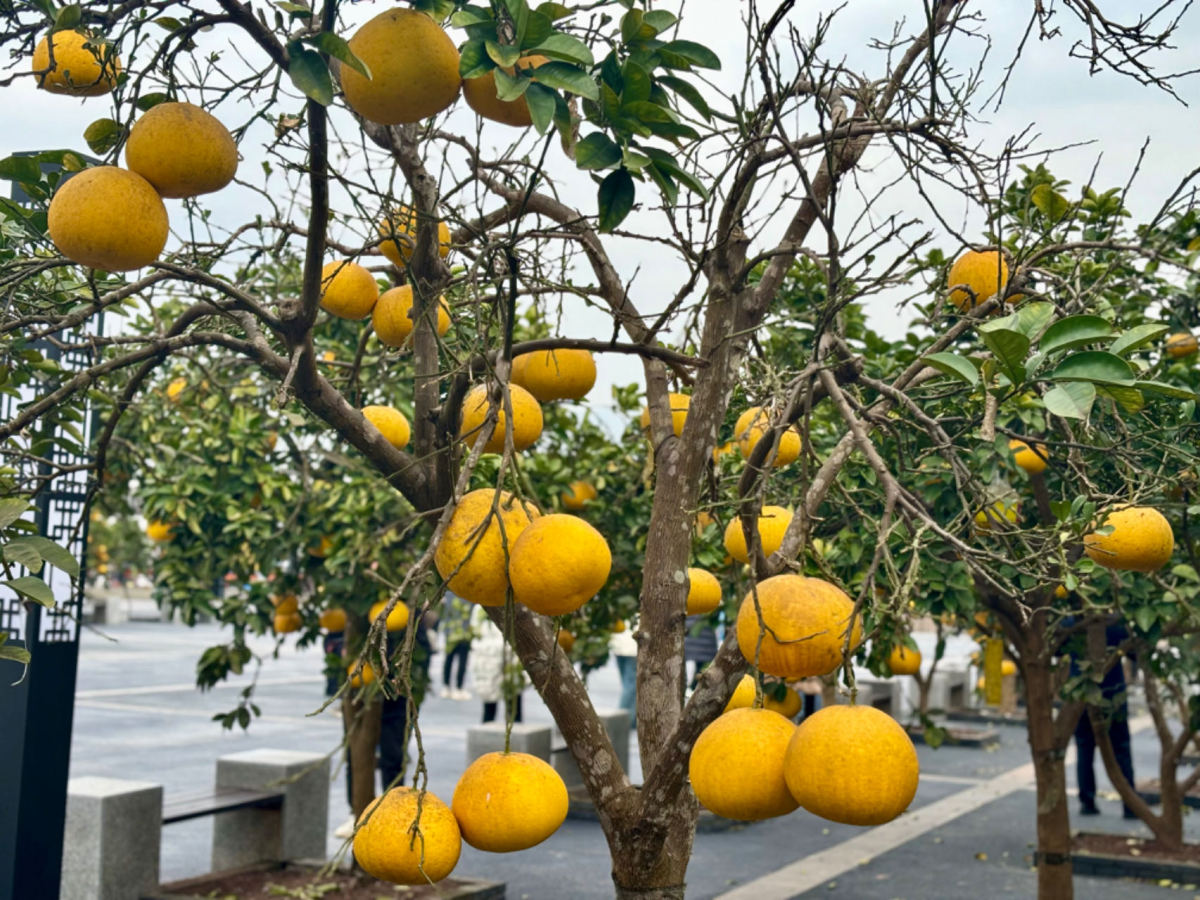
{"x":1053,"y":816}
{"x":362,"y":726}
{"x":661,"y":876}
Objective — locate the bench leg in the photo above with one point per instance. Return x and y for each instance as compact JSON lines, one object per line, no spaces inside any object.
{"x":112,"y":839}
{"x":297,"y":831}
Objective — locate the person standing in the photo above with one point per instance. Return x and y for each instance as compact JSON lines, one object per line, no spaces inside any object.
{"x":496,"y":674}
{"x":456,"y":641}
{"x":699,"y":646}
{"x":1114,"y":711}
{"x":624,"y":649}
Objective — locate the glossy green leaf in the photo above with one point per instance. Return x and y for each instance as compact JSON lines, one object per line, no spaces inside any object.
{"x":659,"y":19}
{"x":955,"y":366}
{"x":1072,"y":400}
{"x":597,"y":151}
{"x":329,"y":43}
{"x":615,"y":198}
{"x":567,"y":48}
{"x":149,"y":101}
{"x":474,"y":61}
{"x":1130,"y":399}
{"x":46,"y":549}
{"x":688,"y":92}
{"x":1168,"y":390}
{"x":692,"y":53}
{"x":15,"y":653}
{"x":68,"y":17}
{"x":567,"y":78}
{"x":542,"y":103}
{"x":310,"y":74}
{"x":20,"y":168}
{"x":502,"y":54}
{"x":11,"y":509}
{"x":1049,"y":202}
{"x":509,"y":87}
{"x":32,"y":588}
{"x":102,"y":135}
{"x":1136,"y":337}
{"x":1074,"y":331}
{"x":1008,"y":346}
{"x":1097,"y":366}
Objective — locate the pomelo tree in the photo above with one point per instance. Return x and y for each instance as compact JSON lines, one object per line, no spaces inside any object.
{"x":757,"y":189}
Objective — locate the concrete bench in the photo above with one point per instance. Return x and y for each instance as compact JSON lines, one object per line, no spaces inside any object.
{"x":525,"y":738}
{"x":268,"y":805}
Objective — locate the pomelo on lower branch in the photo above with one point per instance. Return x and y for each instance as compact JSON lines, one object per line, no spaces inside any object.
{"x":397,"y":619}
{"x":852,"y":764}
{"x":1140,"y":540}
{"x":526,"y":412}
{"x":737,"y":765}
{"x":333,"y":619}
{"x":704,"y":592}
{"x":509,"y":801}
{"x":392,"y":316}
{"x":348,"y":290}
{"x":773,"y":522}
{"x":182,"y":150}
{"x":679,"y":404}
{"x":904,"y":660}
{"x":389,"y":422}
{"x":558,"y":563}
{"x":578,"y":493}
{"x":806,"y":621}
{"x":563,"y":374}
{"x":474,"y":560}
{"x":108,"y":218}
{"x":84,"y":65}
{"x":388,"y":847}
{"x":750,"y":428}
{"x":743,"y":697}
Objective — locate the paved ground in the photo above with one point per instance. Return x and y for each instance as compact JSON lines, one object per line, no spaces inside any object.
{"x":968,"y":835}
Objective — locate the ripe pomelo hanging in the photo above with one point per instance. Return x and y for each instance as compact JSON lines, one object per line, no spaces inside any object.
{"x":1029,"y":459}
{"x":480,"y":94}
{"x":84,"y":65}
{"x":392,"y":316}
{"x":577,"y":495}
{"x":749,"y":430}
{"x":509,"y":801}
{"x":389,"y":422}
{"x":558,"y":563}
{"x":679,"y":404}
{"x":333,"y":620}
{"x":1181,"y":344}
{"x":159,"y":532}
{"x":108,"y":218}
{"x":527,"y":419}
{"x":474,"y":561}
{"x":348,"y":290}
{"x":563,"y":374}
{"x":399,"y":232}
{"x":397,"y":619}
{"x":285,"y":623}
{"x":704,"y":592}
{"x":904,"y":660}
{"x":985,"y":273}
{"x":852,"y":764}
{"x":182,"y":150}
{"x":1141,"y":540}
{"x":388,"y":848}
{"x":773,"y":523}
{"x":806,"y":621}
{"x":737,"y":765}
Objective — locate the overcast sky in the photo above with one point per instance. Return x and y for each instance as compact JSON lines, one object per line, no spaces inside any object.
{"x":1056,"y":95}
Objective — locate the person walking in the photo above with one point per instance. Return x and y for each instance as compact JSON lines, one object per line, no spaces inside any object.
{"x":699,"y":646}
{"x":624,"y":649}
{"x":494,"y":677}
{"x":455,"y":630}
{"x":1114,"y":711}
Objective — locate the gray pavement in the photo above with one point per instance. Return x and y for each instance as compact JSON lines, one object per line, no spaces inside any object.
{"x":139,"y":716}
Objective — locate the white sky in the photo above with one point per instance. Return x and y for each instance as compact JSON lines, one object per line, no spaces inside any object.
{"x":1057,"y":95}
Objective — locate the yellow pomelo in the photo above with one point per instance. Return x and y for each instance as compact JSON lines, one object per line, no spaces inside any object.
{"x":391,"y":423}
{"x":182,"y":150}
{"x":1181,"y":344}
{"x":509,"y":801}
{"x":985,"y":273}
{"x":367,"y":676}
{"x":679,"y":408}
{"x":159,"y":532}
{"x":333,"y":620}
{"x":563,"y":374}
{"x":474,"y":560}
{"x":750,"y":428}
{"x":566,"y":640}
{"x":852,"y":764}
{"x":736,"y":765}
{"x":989,"y":518}
{"x":399,"y":232}
{"x":176,"y":388}
{"x":388,"y":847}
{"x":84,"y":66}
{"x":806,"y":621}
{"x":1029,"y":459}
{"x":743,"y":697}
{"x":348,"y":290}
{"x":704,"y":592}
{"x":1141,"y":540}
{"x":480,"y":94}
{"x":287,"y":622}
{"x":108,"y":218}
{"x":773,"y":522}
{"x":904,"y":660}
{"x":392,"y":316}
{"x":1008,"y":668}
{"x":578,"y":494}
{"x":413,"y":65}
{"x":527,"y":419}
{"x":397,"y":619}
{"x":285,"y":604}
{"x":558,"y":563}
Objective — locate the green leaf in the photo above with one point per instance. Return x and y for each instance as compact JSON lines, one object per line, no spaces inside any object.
{"x":688,"y":92}
{"x":955,"y":366}
{"x":666,"y":163}
{"x":11,"y":509}
{"x":659,"y":19}
{"x":1049,"y":202}
{"x":13,"y":652}
{"x":310,"y":74}
{"x":553,"y":10}
{"x":597,"y":151}
{"x":1129,"y":398}
{"x":615,"y":199}
{"x":691,"y":52}
{"x":20,"y":168}
{"x":637,"y":82}
{"x":537,"y":29}
{"x":68,"y":17}
{"x":1145,"y":617}
{"x":564,"y":47}
{"x":474,"y":60}
{"x":1008,"y":346}
{"x":567,"y":78}
{"x":1097,"y":366}
{"x":1033,"y":317}
{"x":19,"y":551}
{"x":1167,"y":390}
{"x":149,"y":101}
{"x":1072,"y":400}
{"x":102,"y":135}
{"x":1074,"y":331}
{"x":295,"y":10}
{"x":509,"y":87}
{"x":329,"y":43}
{"x":56,"y":555}
{"x":541,"y":102}
{"x":471,"y":15}
{"x":502,"y":54}
{"x":33,"y":588}
{"x":1137,"y":336}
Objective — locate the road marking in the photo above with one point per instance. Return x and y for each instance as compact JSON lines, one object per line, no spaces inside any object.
{"x":826,"y":865}
{"x":952,"y":779}
{"x":191,"y":686}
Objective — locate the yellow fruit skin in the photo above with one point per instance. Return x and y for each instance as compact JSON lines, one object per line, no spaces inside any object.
{"x":1181,"y":344}
{"x":527,"y":419}
{"x":474,"y":561}
{"x":399,"y":233}
{"x":679,"y":409}
{"x":286,"y":604}
{"x":480,"y":94}
{"x":736,"y":766}
{"x":1007,"y":668}
{"x":566,"y":640}
{"x":1032,"y":461}
{"x":564,"y":374}
{"x":348,"y":290}
{"x":397,"y":620}
{"x":391,"y":423}
{"x":743,"y":697}
{"x":704,"y":592}
{"x":978,"y":272}
{"x":986,"y":519}
{"x":506,"y":802}
{"x":333,"y":620}
{"x":806,"y":620}
{"x":773,"y":522}
{"x":558,"y":563}
{"x":77,"y":71}
{"x":904,"y":660}
{"x":392,"y":316}
{"x":368,"y":675}
{"x":852,"y":764}
{"x":413,"y":65}
{"x":749,"y":430}
{"x":387,"y":849}
{"x":287,"y":622}
{"x":580,"y":493}
{"x":108,"y":218}
{"x":1141,"y":540}
{"x":159,"y":532}
{"x":182,"y":150}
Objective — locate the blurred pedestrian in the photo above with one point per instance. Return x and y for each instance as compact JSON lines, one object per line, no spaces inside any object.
{"x":624,"y":650}
{"x":455,"y":629}
{"x":495,"y":673}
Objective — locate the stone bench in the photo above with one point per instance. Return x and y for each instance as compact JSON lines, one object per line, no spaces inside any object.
{"x":268,"y":805}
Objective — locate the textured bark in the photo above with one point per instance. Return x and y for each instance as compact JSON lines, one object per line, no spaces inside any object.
{"x":362,"y":724}
{"x":1053,"y":815}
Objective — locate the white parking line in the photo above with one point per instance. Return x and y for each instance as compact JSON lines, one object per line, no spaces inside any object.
{"x":185,"y":687}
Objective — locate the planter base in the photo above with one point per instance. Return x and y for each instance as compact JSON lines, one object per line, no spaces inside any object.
{"x":1121,"y":856}
{"x":1150,"y":791}
{"x":960,"y":735}
{"x":253,"y":881}
{"x":994,"y":716}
